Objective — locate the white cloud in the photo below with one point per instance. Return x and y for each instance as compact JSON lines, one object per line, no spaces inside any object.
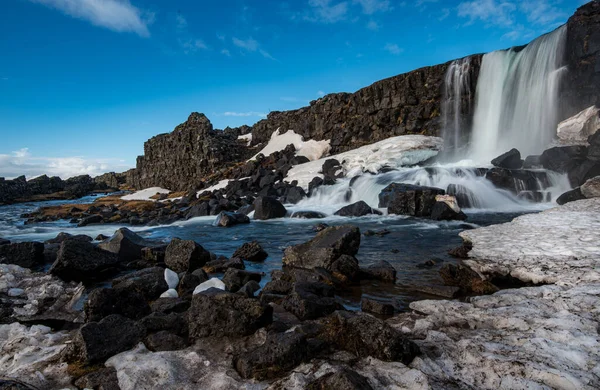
{"x":22,"y":162}
{"x":542,"y":12}
{"x":445,"y":14}
{"x":249,"y":113}
{"x":370,"y":7}
{"x":251,"y":45}
{"x":423,"y":3}
{"x":373,"y":25}
{"x":327,"y":11}
{"x":192,"y":45}
{"x":489,"y":11}
{"x":226,"y":52}
{"x":393,"y":48}
{"x":115,"y":15}
{"x":181,"y":22}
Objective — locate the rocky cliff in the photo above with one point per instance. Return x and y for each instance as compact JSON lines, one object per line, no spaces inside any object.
{"x":46,"y":188}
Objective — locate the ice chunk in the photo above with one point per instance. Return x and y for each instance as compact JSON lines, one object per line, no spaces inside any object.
{"x":171,"y":278}
{"x":146,"y":194}
{"x":213,"y":282}
{"x":170,"y":293}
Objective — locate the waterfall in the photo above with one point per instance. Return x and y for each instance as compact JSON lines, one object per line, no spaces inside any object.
{"x":516,"y":101}
{"x":456,"y":85}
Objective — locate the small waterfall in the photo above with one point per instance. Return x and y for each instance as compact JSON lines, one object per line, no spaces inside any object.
{"x":456,"y":86}
{"x":516,"y":101}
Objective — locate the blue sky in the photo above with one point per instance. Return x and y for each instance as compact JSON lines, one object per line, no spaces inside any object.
{"x":83,"y":83}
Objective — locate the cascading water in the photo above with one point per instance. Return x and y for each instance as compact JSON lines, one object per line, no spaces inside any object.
{"x":516,"y":100}
{"x":456,"y":86}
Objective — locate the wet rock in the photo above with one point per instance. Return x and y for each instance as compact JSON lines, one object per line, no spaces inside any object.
{"x":164,"y":341}
{"x":446,"y":209}
{"x":591,"y":188}
{"x":324,"y":248}
{"x":23,"y":254}
{"x":83,"y":262}
{"x":170,"y":305}
{"x":309,"y":301}
{"x":14,"y":384}
{"x":101,"y":237}
{"x":440,"y":291}
{"x":219,"y":313}
{"x":249,"y":289}
{"x":315,"y":183}
{"x":185,"y":255}
{"x":198,"y":210}
{"x":365,"y":335}
{"x":95,"y":342}
{"x":173,"y":322}
{"x":308,"y":215}
{"x":102,"y":379}
{"x":467,"y":279}
{"x":188,"y":283}
{"x":376,"y":306}
{"x":343,"y":378}
{"x":381,"y":270}
{"x":408,"y":199}
{"x":332,"y":169}
{"x":234,"y":279}
{"x":222,"y":265}
{"x":461,"y":252}
{"x":563,"y":159}
{"x":357,"y":209}
{"x":532,"y":162}
{"x":228,"y":219}
{"x":92,"y":219}
{"x":570,"y":196}
{"x":126,"y":244}
{"x":149,"y":281}
{"x":380,"y":233}
{"x":251,"y":251}
{"x":266,"y":207}
{"x":294,"y":195}
{"x":279,"y":353}
{"x":66,"y":236}
{"x":278,"y":287}
{"x":127,"y":302}
{"x":509,"y":160}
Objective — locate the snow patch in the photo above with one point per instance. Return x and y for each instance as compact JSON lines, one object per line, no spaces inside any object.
{"x":311,"y":149}
{"x":146,"y":194}
{"x":247,"y":138}
{"x":170,"y":293}
{"x":219,"y":186}
{"x":213,"y":282}
{"x":171,"y":278}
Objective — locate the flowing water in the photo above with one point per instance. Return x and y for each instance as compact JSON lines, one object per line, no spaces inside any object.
{"x":457,"y":86}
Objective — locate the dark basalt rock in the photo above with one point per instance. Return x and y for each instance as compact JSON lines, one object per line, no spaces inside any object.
{"x":464,"y":197}
{"x":164,"y":341}
{"x":249,"y":289}
{"x":467,"y":279}
{"x":66,"y":236}
{"x":174,"y":322}
{"x":198,"y":210}
{"x":124,"y":301}
{"x":266,"y":207}
{"x":102,"y":379}
{"x":227,"y":219}
{"x":185,"y":255}
{"x":220,"y":313}
{"x":92,"y":219}
{"x":309,"y":301}
{"x":149,"y":281}
{"x":234,"y":279}
{"x":223,"y":264}
{"x":23,"y":254}
{"x":570,"y":196}
{"x":358,"y":209}
{"x":376,"y":306}
{"x":344,"y":378}
{"x":408,"y":199}
{"x":563,"y":159}
{"x":381,"y":270}
{"x":95,"y":342}
{"x":294,"y":195}
{"x":188,"y":283}
{"x":308,"y":215}
{"x":532,"y":162}
{"x":443,"y":212}
{"x":279,"y":353}
{"x":509,"y":160}
{"x":517,"y":181}
{"x":14,"y":384}
{"x":170,"y":305}
{"x":461,"y":252}
{"x":251,"y":251}
{"x":83,"y":262}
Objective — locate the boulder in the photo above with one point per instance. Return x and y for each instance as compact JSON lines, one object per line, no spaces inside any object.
{"x":228,"y":219}
{"x":594,"y":148}
{"x":570,"y":196}
{"x":223,"y":264}
{"x":23,"y":254}
{"x":408,"y":199}
{"x":294,"y":195}
{"x":467,"y":279}
{"x":101,"y":379}
{"x":309,"y":301}
{"x":509,"y":160}
{"x":517,"y":181}
{"x":332,"y":169}
{"x":357,"y":209}
{"x":126,"y":244}
{"x":343,"y":378}
{"x":95,"y":342}
{"x":170,"y":305}
{"x":83,"y":262}
{"x":563,"y":159}
{"x":90,"y":220}
{"x":173,"y":322}
{"x":279,"y":353}
{"x":164,"y":341}
{"x":345,"y":269}
{"x":66,"y":236}
{"x":185,"y":255}
{"x":308,"y":215}
{"x":578,"y":128}
{"x":532,"y":162}
{"x":381,"y":270}
{"x":446,"y":209}
{"x":249,"y":289}
{"x":234,"y":279}
{"x":188,"y":283}
{"x":220,"y":313}
{"x":198,"y":210}
{"x":326,"y":247}
{"x":251,"y":251}
{"x":266,"y":207}
{"x":149,"y":281}
{"x":127,"y":302}
{"x":376,"y":306}
{"x":591,"y":188}
{"x":365,"y":335}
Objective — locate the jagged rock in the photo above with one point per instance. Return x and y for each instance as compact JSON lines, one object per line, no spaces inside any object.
{"x":381,"y":270}
{"x":149,"y":281}
{"x":532,"y":162}
{"x":570,"y":196}
{"x":578,"y":128}
{"x":563,"y":159}
{"x":95,"y":342}
{"x":509,"y":160}
{"x":376,"y":306}
{"x":82,"y":261}
{"x":446,"y":209}
{"x":591,"y":188}
{"x":126,"y":244}
{"x":102,"y":379}
{"x":249,"y":289}
{"x":461,"y":252}
{"x":219,"y":313}
{"x":23,"y":254}
{"x":234,"y":279}
{"x":341,"y":379}
{"x":365,"y":335}
{"x":294,"y":195}
{"x":518,"y":181}
{"x":345,"y":268}
{"x":227,"y":219}
{"x":198,"y":210}
{"x":92,"y":219}
{"x":308,"y":215}
{"x":169,"y":305}
{"x":408,"y":199}
{"x":251,"y":251}
{"x":358,"y":209}
{"x":188,"y":283}
{"x":164,"y":341}
{"x":266,"y":207}
{"x":185,"y":255}
{"x":124,"y":301}
{"x":173,"y":322}
{"x":66,"y":236}
{"x":279,"y":353}
{"x":278,"y":287}
{"x":467,"y":279}
{"x":222,"y":265}
{"x":309,"y":301}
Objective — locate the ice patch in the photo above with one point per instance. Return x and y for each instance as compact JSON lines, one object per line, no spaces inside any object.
{"x":146,"y":194}
{"x":247,"y":138}
{"x":170,"y":293}
{"x":171,"y":278}
{"x":213,"y":282}
{"x":311,"y":149}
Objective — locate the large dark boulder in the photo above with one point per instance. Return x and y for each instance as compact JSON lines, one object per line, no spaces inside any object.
{"x":266,"y":207}
{"x":150,"y":282}
{"x":83,"y":262}
{"x":408,"y":199}
{"x":380,"y":270}
{"x":466,"y":279}
{"x":90,"y":220}
{"x":279,"y":353}
{"x":517,"y":181}
{"x":358,"y":209}
{"x":23,"y":254}
{"x":126,"y":244}
{"x":234,"y":279}
{"x":60,"y":237}
{"x":326,"y":247}
{"x":570,"y":196}
{"x":220,"y":313}
{"x":164,"y":341}
{"x":563,"y":159}
{"x":376,"y":306}
{"x":185,"y":255}
{"x":309,"y":301}
{"x":95,"y":342}
{"x":443,"y":212}
{"x":251,"y":251}
{"x":127,"y":302}
{"x":509,"y":160}
{"x":228,"y":219}
{"x":308,"y":215}
{"x":198,"y":210}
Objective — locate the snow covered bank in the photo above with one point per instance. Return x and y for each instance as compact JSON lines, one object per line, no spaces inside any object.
{"x":311,"y":149}
{"x":146,"y":194}
{"x":404,"y":150}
